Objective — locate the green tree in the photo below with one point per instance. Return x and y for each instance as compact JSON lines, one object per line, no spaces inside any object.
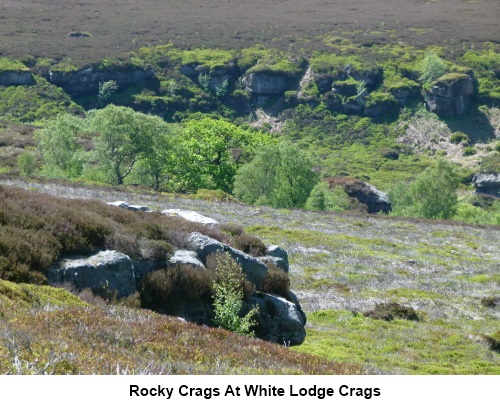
{"x":26,"y":162}
{"x":106,"y":90}
{"x":228,"y":297}
{"x":433,"y":194}
{"x":280,"y":175}
{"x":59,"y":147}
{"x":214,"y":150}
{"x":125,"y":137}
{"x":160,"y":168}
{"x":324,"y":198}
{"x":432,"y":67}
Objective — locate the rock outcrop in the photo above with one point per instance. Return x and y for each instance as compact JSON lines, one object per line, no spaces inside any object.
{"x":16,"y":78}
{"x":262,"y":83}
{"x":191,"y":216}
{"x":279,"y":320}
{"x":374,"y":200}
{"x":451,"y":94}
{"x":105,"y":272}
{"x":255,"y":270}
{"x":487,"y":183}
{"x":123,"y":204}
{"x":277,"y":256}
{"x":87,"y":81}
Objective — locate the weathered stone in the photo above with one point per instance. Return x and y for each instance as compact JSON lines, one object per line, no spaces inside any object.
{"x":19,"y":78}
{"x":487,"y":183}
{"x":451,"y":97}
{"x":182,"y":257}
{"x":204,"y":246}
{"x":279,"y":320}
{"x":105,"y":271}
{"x":123,"y":204}
{"x":265,"y":83}
{"x":280,"y":257}
{"x":191,"y":216}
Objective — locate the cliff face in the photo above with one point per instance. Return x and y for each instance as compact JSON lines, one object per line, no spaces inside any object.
{"x":451,"y":95}
{"x":86,"y":81}
{"x":16,"y":78}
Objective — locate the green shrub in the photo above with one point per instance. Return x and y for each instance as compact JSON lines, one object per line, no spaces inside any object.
{"x":432,"y":68}
{"x":491,"y":163}
{"x":469,"y":151}
{"x":324,"y":198}
{"x":26,"y":162}
{"x":458,"y":137}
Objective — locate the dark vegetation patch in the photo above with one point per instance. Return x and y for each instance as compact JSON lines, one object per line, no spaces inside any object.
{"x":391,"y":311}
{"x":490,"y":302}
{"x":111,"y":29}
{"x":164,"y":290}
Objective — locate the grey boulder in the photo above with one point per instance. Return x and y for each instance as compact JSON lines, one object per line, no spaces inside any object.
{"x":105,"y":271}
{"x":204,"y":246}
{"x":279,"y":320}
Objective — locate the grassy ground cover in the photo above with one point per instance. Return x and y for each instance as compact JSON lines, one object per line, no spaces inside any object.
{"x":45,"y":330}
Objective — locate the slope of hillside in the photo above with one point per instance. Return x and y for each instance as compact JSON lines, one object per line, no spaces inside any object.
{"x":343,"y":265}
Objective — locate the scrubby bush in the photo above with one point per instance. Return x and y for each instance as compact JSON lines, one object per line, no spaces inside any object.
{"x":491,"y":163}
{"x":163,"y":290}
{"x":232,"y":229}
{"x":459,"y":137}
{"x":276,"y":281}
{"x":432,"y":68}
{"x":433,"y":194}
{"x":469,"y":151}
{"x":214,"y":260}
{"x":391,"y":311}
{"x":280,"y":175}
{"x":26,"y":162}
{"x":156,"y":250}
{"x":250,"y":245}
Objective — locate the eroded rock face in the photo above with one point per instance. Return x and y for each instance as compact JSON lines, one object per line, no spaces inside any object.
{"x":487,"y":183}
{"x":106,"y":271}
{"x":254,"y":269}
{"x":86,"y":81}
{"x":22,"y":78}
{"x":279,"y":320}
{"x":451,"y":97}
{"x":265,"y":84}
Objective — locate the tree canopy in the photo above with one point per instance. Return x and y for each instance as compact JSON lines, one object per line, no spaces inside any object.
{"x":280,"y":175}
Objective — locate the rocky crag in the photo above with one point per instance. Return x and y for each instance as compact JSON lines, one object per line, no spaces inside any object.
{"x":280,"y":318}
